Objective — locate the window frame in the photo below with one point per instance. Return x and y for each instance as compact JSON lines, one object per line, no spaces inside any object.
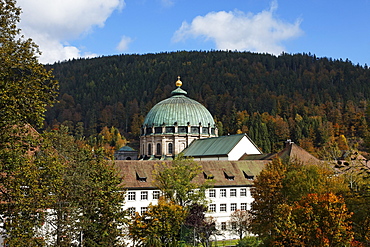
{"x":223,"y":226}
{"x":144,"y":195}
{"x":212,"y":208}
{"x":156,"y":194}
{"x":212,"y":193}
{"x":243,"y":192}
{"x":131,"y":210}
{"x":143,"y":210}
{"x":170,"y":148}
{"x":131,"y":196}
{"x":233,"y":225}
{"x":223,"y":193}
{"x":233,"y":193}
{"x":233,"y":207}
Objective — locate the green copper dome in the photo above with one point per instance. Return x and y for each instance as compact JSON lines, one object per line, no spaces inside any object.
{"x":179,"y":110}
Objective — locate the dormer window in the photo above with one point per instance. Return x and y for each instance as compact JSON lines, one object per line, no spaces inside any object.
{"x":208,"y":175}
{"x":229,"y":175}
{"x":248,"y":175}
{"x":140,"y":176}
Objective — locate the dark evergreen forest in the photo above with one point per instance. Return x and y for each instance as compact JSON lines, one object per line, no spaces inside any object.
{"x":313,"y":101}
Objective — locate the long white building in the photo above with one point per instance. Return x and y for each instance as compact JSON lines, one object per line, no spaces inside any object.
{"x":232,"y":182}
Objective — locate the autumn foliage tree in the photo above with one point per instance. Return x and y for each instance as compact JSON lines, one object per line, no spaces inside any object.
{"x":110,"y":139}
{"x":159,"y":226}
{"x":267,"y":194}
{"x":315,"y":220}
{"x":285,"y":192}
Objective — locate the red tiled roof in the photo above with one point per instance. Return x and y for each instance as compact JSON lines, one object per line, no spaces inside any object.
{"x":218,"y":169}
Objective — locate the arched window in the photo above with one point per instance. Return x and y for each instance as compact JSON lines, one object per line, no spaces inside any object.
{"x":170,"y":148}
{"x":158,"y":149}
{"x":149,"y":149}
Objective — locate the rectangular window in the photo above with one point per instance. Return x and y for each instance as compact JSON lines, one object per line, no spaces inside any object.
{"x":222,"y":192}
{"x":156,"y":194}
{"x":144,"y":195}
{"x":212,"y":208}
{"x":223,"y":225}
{"x":131,"y":196}
{"x":212,"y":193}
{"x":243,"y":206}
{"x":243,"y":192}
{"x":158,"y":130}
{"x":232,"y":192}
{"x":143,"y":210}
{"x":170,"y":129}
{"x":233,"y":207}
{"x":223,"y":207}
{"x":131,"y":211}
{"x":233,"y":225}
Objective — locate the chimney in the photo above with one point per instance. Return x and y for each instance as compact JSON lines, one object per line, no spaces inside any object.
{"x":288,"y":142}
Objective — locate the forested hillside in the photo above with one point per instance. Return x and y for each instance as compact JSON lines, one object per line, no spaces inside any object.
{"x":313,"y":101}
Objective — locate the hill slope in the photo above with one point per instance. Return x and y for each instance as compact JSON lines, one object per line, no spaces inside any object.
{"x":308,"y":99}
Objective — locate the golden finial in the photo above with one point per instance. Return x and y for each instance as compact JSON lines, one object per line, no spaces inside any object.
{"x":178,"y":82}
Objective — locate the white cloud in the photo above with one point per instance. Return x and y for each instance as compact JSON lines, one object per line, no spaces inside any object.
{"x":167,"y":3}
{"x":51,"y":23}
{"x":236,"y":30}
{"x":123,"y":44}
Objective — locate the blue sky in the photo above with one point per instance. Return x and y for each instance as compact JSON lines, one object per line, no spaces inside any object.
{"x":67,"y":29}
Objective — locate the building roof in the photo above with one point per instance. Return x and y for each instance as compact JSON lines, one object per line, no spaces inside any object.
{"x":179,"y":110}
{"x":292,"y":153}
{"x":126,"y":149}
{"x":215,"y":146}
{"x":268,"y":156}
{"x":139,"y":174}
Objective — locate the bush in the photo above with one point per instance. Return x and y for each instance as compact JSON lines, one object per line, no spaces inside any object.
{"x":249,"y":241}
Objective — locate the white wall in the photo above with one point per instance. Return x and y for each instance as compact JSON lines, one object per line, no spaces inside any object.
{"x":244,"y":146}
{"x":218,"y":200}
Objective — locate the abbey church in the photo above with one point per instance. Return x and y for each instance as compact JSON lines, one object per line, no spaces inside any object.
{"x":179,"y":124}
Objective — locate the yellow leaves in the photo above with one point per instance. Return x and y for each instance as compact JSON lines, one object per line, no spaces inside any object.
{"x":316,"y":220}
{"x":296,"y":205}
{"x":162,"y":220}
